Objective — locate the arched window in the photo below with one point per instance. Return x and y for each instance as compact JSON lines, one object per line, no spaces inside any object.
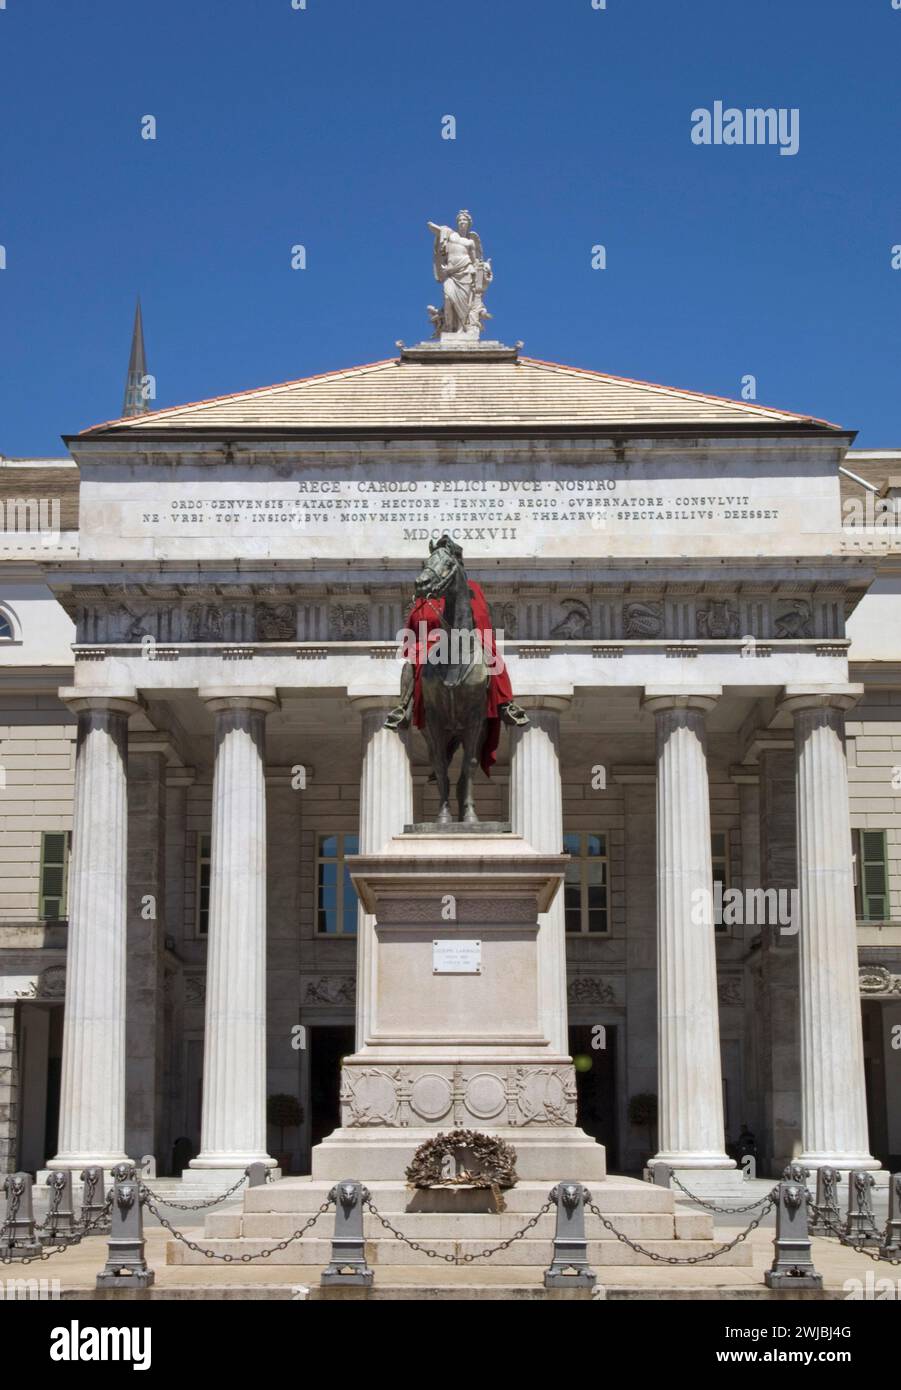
{"x":6,"y":627}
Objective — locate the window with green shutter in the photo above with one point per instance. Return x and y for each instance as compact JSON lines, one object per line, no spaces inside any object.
{"x":54,"y":872}
{"x":871,"y":875}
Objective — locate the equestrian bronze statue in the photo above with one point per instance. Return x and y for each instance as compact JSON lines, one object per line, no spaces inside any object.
{"x":455,"y":686}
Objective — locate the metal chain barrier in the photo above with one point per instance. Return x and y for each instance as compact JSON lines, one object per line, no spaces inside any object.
{"x":194,"y":1206}
{"x":712,"y":1206}
{"x":230,"y":1259}
{"x":85,"y":1229}
{"x":30,"y":1259}
{"x":840,"y":1236}
{"x":687,"y":1259}
{"x":103,"y":1217}
{"x":458,"y":1259}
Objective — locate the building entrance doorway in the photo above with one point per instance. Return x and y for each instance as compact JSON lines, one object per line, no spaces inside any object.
{"x":596,"y":1086}
{"x":328,"y":1044}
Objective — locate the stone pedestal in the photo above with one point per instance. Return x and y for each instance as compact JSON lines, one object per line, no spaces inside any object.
{"x":462,"y":1042}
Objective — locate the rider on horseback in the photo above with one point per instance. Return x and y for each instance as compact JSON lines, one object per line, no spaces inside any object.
{"x":426,"y":627}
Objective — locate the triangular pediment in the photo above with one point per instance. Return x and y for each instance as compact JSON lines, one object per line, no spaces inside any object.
{"x":401,"y":394}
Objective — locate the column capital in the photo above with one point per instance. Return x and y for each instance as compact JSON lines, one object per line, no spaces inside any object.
{"x":840,"y":696}
{"x":362,"y":703}
{"x":125,"y":700}
{"x":222,"y":697}
{"x":555,"y":703}
{"x":657,"y":698}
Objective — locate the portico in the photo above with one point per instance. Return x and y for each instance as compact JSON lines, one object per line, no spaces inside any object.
{"x":543,"y":785}
{"x":672,"y":592}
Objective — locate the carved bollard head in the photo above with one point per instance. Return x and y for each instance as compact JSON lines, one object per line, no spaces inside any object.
{"x":794,"y":1196}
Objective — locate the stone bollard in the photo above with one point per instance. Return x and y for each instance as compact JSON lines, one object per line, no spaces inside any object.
{"x":18,"y":1239}
{"x":569,"y":1267}
{"x":891,"y":1239}
{"x":125,"y":1266}
{"x":826,"y":1215}
{"x":93,"y":1201}
{"x":660,"y":1174}
{"x":60,"y":1227}
{"x":148,"y":1168}
{"x":348,"y":1263}
{"x":792,"y":1266}
{"x":257,"y":1174}
{"x":861,"y":1228}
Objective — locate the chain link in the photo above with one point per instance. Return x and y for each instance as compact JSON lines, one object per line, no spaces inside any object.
{"x":458,"y":1259}
{"x":193,"y":1206}
{"x":675,"y":1259}
{"x":712,"y":1206}
{"x":230,"y":1259}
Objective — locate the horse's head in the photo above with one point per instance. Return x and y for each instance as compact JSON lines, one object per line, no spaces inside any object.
{"x":441,"y":569}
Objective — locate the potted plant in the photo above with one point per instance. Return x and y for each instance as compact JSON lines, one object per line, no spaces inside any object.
{"x":283,"y":1112}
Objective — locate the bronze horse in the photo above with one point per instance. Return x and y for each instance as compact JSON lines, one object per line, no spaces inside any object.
{"x":455,"y":689}
{"x":455,"y":681}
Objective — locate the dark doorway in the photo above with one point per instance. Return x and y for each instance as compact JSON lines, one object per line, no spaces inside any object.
{"x":327,"y":1047}
{"x":596,"y":1085}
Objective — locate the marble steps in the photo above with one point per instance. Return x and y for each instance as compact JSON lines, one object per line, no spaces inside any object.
{"x":466,"y":1225}
{"x":387,"y":1251}
{"x":306,"y":1194}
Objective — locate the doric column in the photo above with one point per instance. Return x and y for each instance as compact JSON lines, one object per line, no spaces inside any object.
{"x":833,"y":1097}
{"x":386,"y":806}
{"x":690,"y":1101}
{"x":536,"y":813}
{"x":92,"y":1098}
{"x":233,"y":1129}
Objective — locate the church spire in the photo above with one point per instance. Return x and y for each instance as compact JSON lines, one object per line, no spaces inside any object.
{"x":136,"y":393}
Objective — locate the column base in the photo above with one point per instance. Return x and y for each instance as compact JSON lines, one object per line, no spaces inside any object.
{"x":692,"y":1160}
{"x":843,"y":1161}
{"x":204,"y":1164}
{"x":76,"y":1162}
{"x":214,"y":1179}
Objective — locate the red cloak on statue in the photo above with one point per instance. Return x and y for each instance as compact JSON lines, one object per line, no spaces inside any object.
{"x":425,"y":620}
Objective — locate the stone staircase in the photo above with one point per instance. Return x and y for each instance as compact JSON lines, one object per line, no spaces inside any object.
{"x":459,"y":1222}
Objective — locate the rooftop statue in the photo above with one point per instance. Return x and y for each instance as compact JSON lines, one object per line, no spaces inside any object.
{"x":465,"y":274}
{"x":455,"y":686}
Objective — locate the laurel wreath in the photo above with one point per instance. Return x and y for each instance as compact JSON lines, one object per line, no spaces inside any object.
{"x":494,"y":1162}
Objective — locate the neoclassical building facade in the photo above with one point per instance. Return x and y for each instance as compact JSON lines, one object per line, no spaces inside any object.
{"x":700,"y":610}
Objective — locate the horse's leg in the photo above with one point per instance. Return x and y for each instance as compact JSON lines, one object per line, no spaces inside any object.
{"x":437,"y":743}
{"x":472,"y":743}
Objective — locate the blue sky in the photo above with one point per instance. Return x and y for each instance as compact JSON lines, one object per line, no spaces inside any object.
{"x":322,"y":126}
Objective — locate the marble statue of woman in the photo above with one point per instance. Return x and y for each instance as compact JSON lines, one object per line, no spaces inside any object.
{"x":465,"y":275}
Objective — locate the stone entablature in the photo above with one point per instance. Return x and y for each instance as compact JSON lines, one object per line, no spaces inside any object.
{"x":777,"y":611}
{"x":552,"y":497}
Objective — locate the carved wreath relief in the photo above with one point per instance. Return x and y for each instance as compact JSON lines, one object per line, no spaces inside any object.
{"x":518,"y":1095}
